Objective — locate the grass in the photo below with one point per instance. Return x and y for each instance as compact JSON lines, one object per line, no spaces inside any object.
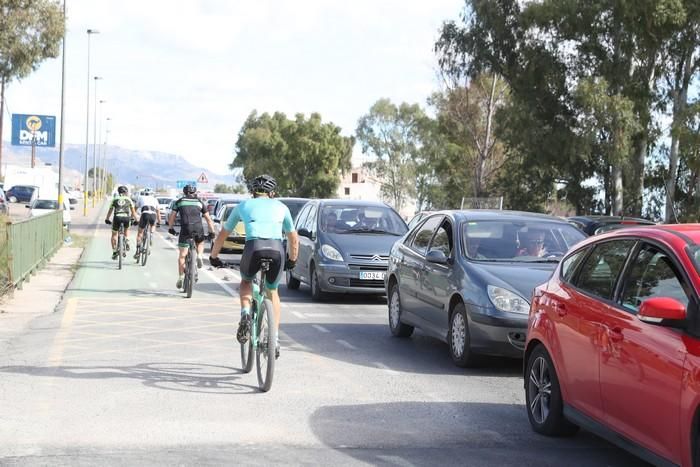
{"x":4,"y":256}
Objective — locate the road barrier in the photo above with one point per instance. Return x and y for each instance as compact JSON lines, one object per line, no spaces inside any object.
{"x":26,"y":245}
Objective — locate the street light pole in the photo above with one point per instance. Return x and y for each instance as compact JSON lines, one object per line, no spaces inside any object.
{"x":94,"y":147}
{"x":104,"y":156}
{"x":90,"y":32}
{"x":98,"y":140}
{"x":63,"y":105}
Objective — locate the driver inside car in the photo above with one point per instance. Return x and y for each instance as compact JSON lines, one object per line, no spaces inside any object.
{"x":532,"y":243}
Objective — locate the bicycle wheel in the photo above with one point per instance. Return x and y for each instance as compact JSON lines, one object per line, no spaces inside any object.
{"x":247,"y":350}
{"x":267,"y":338}
{"x":120,"y":246}
{"x":145,"y":242}
{"x":190,"y":270}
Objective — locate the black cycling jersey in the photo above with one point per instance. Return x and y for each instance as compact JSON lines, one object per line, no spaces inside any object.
{"x":122,"y":206}
{"x":191,"y":209}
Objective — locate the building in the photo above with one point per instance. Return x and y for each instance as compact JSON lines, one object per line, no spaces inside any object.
{"x":360,"y":184}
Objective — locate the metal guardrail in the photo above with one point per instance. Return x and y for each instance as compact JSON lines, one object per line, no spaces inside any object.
{"x":26,"y":245}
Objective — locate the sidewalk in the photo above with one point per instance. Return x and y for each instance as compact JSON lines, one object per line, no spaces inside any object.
{"x":43,"y":292}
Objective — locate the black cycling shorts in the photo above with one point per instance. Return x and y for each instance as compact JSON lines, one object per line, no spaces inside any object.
{"x":195,"y":231}
{"x":256,"y":250}
{"x":125,"y":221}
{"x":147,"y":218}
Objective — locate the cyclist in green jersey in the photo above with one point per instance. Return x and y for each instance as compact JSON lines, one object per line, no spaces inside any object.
{"x":124,"y":213}
{"x":265,"y":220}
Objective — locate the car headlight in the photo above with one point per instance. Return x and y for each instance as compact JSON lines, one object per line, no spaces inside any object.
{"x":505,"y":300}
{"x":331,"y":253}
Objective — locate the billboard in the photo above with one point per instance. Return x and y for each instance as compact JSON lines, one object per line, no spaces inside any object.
{"x":37,"y":129}
{"x":181,"y":183}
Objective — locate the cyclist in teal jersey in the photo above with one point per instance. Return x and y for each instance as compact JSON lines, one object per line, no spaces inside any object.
{"x":265,"y":220}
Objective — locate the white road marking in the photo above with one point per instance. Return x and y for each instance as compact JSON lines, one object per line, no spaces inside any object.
{"x":298,"y":315}
{"x":319,"y":327}
{"x":382,"y":366}
{"x":318,"y":315}
{"x":346,"y":344}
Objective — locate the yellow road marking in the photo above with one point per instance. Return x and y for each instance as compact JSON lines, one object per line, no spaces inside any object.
{"x":56,"y":354}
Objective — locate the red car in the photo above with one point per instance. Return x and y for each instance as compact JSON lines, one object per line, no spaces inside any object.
{"x":613,"y":343}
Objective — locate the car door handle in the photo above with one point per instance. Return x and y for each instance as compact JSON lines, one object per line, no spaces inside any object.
{"x":616,"y":334}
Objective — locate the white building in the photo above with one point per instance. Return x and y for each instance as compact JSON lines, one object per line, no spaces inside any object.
{"x":360,"y":184}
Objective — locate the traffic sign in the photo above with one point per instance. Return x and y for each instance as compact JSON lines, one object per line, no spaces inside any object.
{"x":203,"y":179}
{"x":181,"y":183}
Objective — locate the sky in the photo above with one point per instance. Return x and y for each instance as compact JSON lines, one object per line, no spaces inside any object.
{"x":181,"y":76}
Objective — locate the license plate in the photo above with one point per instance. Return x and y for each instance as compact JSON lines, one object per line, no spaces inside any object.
{"x":372,"y":275}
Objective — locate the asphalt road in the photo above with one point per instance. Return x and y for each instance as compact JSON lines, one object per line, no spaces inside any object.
{"x":131,"y":372}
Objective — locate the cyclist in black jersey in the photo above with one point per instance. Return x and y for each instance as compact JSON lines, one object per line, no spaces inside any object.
{"x":124,"y":213}
{"x":191,"y":211}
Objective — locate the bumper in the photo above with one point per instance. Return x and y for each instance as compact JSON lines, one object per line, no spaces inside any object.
{"x":497,"y":334}
{"x":234,"y":243}
{"x":340,"y":278}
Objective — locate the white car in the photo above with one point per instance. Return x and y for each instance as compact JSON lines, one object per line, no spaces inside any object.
{"x":40,"y":207}
{"x":163,"y":206}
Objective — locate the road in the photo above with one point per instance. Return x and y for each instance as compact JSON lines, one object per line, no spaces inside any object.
{"x":131,"y":372}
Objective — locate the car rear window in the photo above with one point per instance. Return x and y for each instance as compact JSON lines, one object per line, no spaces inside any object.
{"x":45,"y":204}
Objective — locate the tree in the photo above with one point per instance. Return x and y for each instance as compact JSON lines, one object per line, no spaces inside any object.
{"x":223,"y":188}
{"x":30,"y":32}
{"x":306,"y":156}
{"x":393,"y":137}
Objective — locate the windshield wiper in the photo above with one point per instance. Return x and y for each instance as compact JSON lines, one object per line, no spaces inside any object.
{"x":544,"y":260}
{"x":381,"y":231}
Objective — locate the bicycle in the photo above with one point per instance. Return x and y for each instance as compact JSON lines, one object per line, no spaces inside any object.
{"x":263,"y":333}
{"x":145,"y":248}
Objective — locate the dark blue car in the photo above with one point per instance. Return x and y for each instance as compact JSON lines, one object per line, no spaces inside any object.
{"x":466,"y":277}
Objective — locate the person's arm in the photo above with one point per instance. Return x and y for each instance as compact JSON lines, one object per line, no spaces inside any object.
{"x":292,"y":245}
{"x":210,"y":223}
{"x":226,"y":228}
{"x":171,"y":219}
{"x":109,"y":213}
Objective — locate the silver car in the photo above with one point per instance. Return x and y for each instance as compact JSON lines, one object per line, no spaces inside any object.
{"x":344,"y":246}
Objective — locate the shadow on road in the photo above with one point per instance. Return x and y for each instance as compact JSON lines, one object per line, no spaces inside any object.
{"x":457,"y":433}
{"x":375,"y":345}
{"x":183,"y":377}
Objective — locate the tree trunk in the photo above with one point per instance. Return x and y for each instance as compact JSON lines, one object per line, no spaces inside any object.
{"x":618,"y":201}
{"x":2,"y":115}
{"x":680,"y":103}
{"x":486,"y":148}
{"x":639,"y":185}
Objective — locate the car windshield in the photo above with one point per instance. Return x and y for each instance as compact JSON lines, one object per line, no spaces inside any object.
{"x":294,"y":206}
{"x":227,"y":212}
{"x":164,"y":200}
{"x":522,"y":241}
{"x":343,"y":219}
{"x":45,"y":204}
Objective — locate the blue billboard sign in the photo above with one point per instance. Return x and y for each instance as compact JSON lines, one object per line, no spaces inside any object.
{"x":39,"y":130}
{"x":181,"y":183}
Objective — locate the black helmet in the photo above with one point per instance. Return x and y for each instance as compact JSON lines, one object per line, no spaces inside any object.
{"x":122,"y":190}
{"x":263,"y":184}
{"x":189,"y":190}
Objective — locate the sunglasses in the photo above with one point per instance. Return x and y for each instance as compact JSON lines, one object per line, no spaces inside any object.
{"x":536,"y":242}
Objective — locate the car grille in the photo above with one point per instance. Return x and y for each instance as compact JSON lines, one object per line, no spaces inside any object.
{"x":367,"y":283}
{"x":368,"y":267}
{"x":376,"y":258}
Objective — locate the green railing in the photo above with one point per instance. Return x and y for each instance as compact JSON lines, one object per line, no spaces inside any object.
{"x":26,"y":245}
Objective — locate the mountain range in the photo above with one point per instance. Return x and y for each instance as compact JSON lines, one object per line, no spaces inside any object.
{"x":144,"y":168}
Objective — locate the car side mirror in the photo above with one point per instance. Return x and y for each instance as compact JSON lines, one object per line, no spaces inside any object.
{"x":436,"y":257}
{"x":217,"y":220}
{"x":657,"y":309}
{"x":304,"y":233}
{"x":27,"y":206}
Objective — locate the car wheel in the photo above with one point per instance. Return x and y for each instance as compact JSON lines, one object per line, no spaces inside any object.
{"x":545,"y":406}
{"x":397,"y":328}
{"x":292,"y":282}
{"x":316,"y":293}
{"x":458,"y":338}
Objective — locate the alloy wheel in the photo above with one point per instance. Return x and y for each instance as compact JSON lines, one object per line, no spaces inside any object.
{"x":539,"y":389}
{"x":394,"y":308}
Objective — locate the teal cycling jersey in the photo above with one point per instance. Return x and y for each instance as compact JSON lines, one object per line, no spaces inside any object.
{"x":264,"y":218}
